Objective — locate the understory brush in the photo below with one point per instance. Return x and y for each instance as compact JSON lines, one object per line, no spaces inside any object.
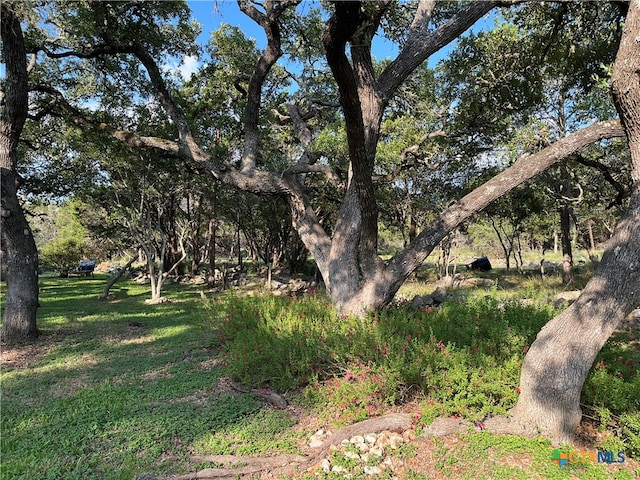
{"x":462,"y":358}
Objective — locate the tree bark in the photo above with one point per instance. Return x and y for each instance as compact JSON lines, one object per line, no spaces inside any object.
{"x":567,"y":251}
{"x":355,"y":276}
{"x":557,"y":364}
{"x":112,"y":281}
{"x":19,"y":321}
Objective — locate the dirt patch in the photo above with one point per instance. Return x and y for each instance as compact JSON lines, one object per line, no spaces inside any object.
{"x":22,"y":356}
{"x":211,"y":363}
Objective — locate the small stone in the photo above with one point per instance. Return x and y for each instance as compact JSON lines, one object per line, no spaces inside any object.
{"x":395,"y":440}
{"x":363,"y":447}
{"x":338,"y":469}
{"x":370,"y":438}
{"x":316,"y":443}
{"x":372,"y":470}
{"x":408,"y":435}
{"x":352,"y":455}
{"x":376,"y":450}
{"x":326,"y":466}
{"x":357,"y":439}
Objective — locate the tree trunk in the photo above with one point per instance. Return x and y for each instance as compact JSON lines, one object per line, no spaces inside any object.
{"x":112,"y":281}
{"x":19,"y":321}
{"x":506,"y":249}
{"x":211,"y":279}
{"x":557,"y":363}
{"x":559,"y":360}
{"x":567,"y":254}
{"x":413,"y":225}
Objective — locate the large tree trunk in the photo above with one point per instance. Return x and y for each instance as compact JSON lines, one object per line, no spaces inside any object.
{"x":355,"y":276}
{"x":559,"y":360}
{"x":557,"y":363}
{"x":19,"y":321}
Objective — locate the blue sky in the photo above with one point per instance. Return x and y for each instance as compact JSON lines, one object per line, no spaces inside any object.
{"x":211,"y":13}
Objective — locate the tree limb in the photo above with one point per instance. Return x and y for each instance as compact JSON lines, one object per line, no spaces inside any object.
{"x":269,"y":21}
{"x":404,"y":163}
{"x":525,"y":168}
{"x":421,"y":44}
{"x":606,"y":173}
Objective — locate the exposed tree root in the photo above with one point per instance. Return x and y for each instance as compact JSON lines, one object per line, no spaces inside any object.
{"x":288,"y":465}
{"x":246,"y":466}
{"x":513,"y":425}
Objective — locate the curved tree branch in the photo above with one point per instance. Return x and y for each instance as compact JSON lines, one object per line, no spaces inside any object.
{"x":525,"y":168}
{"x":606,"y":173}
{"x":421,"y":44}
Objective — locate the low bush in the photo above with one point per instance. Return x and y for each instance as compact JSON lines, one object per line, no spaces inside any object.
{"x":437,"y":353}
{"x":462,"y":358}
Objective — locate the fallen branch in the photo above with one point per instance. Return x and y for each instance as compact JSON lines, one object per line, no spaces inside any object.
{"x":264,"y":394}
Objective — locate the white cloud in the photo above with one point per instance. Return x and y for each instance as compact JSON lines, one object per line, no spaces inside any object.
{"x":187,"y":67}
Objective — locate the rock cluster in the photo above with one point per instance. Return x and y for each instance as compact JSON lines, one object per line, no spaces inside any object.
{"x":373,"y":454}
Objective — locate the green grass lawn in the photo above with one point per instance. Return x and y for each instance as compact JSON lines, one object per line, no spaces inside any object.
{"x":114,"y":389}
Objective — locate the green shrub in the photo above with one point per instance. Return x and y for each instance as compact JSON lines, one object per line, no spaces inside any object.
{"x":437,"y":354}
{"x":463,"y":358}
{"x":62,"y":254}
{"x":630,"y":432}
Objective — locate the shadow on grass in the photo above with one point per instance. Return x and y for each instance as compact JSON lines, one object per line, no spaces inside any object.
{"x":111,"y":389}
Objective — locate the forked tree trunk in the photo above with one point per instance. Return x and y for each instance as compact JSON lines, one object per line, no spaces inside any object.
{"x":19,"y":321}
{"x":557,"y":364}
